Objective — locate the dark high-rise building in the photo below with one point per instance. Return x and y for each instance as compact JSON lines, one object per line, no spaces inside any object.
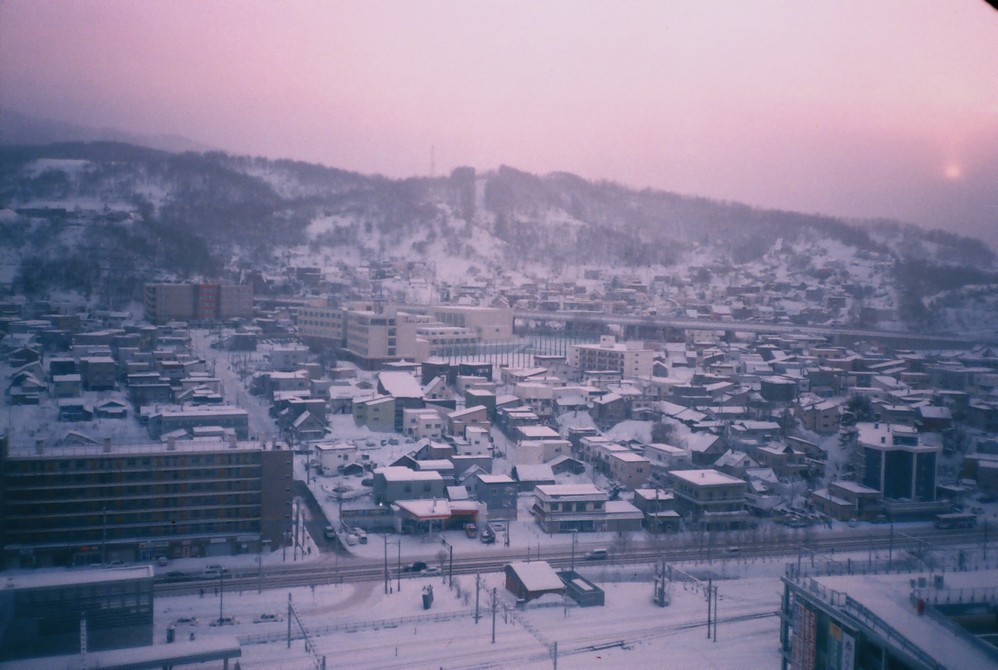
{"x":93,"y":504}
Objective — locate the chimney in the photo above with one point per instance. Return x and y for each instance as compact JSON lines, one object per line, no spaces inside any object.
{"x":107,"y":445}
{"x":171,"y":443}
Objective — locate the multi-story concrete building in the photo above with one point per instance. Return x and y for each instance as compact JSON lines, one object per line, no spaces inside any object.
{"x":630,"y":359}
{"x":710,"y":499}
{"x":87,"y":504}
{"x":489,"y":324}
{"x":40,"y":612}
{"x":894,"y":461}
{"x":906,"y":621}
{"x":197,"y":302}
{"x":562,"y":508}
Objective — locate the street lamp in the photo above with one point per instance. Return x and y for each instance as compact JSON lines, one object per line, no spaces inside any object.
{"x":575,"y":536}
{"x":450,"y":568}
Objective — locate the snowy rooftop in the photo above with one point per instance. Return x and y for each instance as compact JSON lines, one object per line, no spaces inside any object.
{"x":400,"y":385}
{"x":538,"y":432}
{"x":398,"y":473}
{"x":562,"y":490}
{"x":34,"y":580}
{"x":149,"y":448}
{"x":537,"y":575}
{"x":889,"y":598}
{"x":707,"y":477}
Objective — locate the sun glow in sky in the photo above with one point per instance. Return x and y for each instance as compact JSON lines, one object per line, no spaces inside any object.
{"x":846,"y":107}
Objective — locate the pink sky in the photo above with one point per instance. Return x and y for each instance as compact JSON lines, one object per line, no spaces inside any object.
{"x":849,"y":107}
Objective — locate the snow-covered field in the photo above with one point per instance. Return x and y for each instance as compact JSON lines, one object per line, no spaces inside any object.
{"x":359,"y":626}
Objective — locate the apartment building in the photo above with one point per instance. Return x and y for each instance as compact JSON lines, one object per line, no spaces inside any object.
{"x":630,"y":359}
{"x":197,"y":302}
{"x":90,"y":504}
{"x":710,"y":499}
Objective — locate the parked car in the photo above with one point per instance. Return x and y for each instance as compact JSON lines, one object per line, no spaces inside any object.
{"x":329,"y":533}
{"x":185,"y":621}
{"x":417,"y":566}
{"x":267,"y":618}
{"x":597,"y":555}
{"x":177,"y":576}
{"x":431,"y":570}
{"x":487,"y":536}
{"x":162,"y":561}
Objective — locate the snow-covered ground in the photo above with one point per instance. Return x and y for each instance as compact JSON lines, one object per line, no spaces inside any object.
{"x":359,"y":626}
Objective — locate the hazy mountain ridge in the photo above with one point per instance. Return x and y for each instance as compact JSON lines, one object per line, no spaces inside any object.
{"x":194,"y":214}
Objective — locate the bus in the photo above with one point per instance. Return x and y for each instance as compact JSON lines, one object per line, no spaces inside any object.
{"x":956,"y":520}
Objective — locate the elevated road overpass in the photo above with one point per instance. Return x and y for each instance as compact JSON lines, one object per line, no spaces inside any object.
{"x":644,"y":324}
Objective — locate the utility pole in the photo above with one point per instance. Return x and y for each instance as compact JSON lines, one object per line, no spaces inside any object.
{"x":495,"y":605}
{"x":708,"y":593}
{"x":221,"y":594}
{"x":385,"y":538}
{"x":575,"y":536}
{"x":478,"y":589}
{"x":715,"y":613}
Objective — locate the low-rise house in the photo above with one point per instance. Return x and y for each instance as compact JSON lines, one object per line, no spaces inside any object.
{"x":307,"y":428}
{"x":330,"y":456}
{"x":536,"y":452}
{"x":783,"y":459}
{"x":735,"y":463}
{"x":478,"y":440}
{"x":530,"y":476}
{"x":609,"y":409}
{"x":425,"y":423}
{"x":629,"y":469}
{"x":497,"y":492}
{"x":934,"y":419}
{"x":821,"y":416}
{"x":460,"y":420}
{"x":705,"y":448}
{"x":394,"y":483}
{"x":377,"y":413}
{"x":845,"y":500}
{"x":111,"y":409}
{"x":74,"y":409}
{"x":666,"y":457}
{"x":67,"y":386}
{"x":658,"y":507}
{"x":566,"y":465}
